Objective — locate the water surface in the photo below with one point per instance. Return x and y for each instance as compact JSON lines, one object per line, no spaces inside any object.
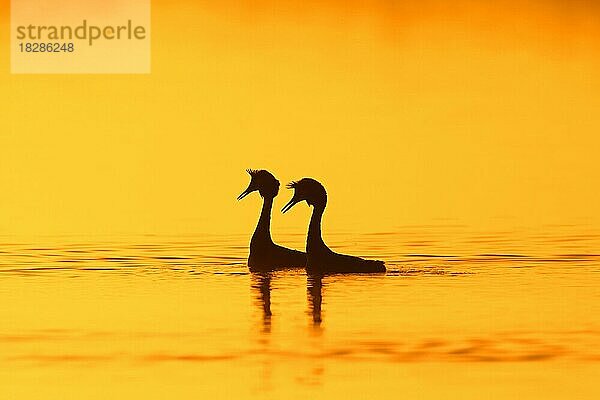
{"x":459,"y":314}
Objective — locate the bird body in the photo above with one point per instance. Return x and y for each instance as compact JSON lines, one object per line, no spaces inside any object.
{"x":319,"y":257}
{"x":265,"y":255}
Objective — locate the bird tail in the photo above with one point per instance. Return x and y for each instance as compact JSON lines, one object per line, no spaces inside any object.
{"x":377,"y":265}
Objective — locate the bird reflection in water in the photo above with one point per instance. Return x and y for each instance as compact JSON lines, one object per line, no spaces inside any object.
{"x":312,"y":373}
{"x":314,"y":290}
{"x":261,"y":284}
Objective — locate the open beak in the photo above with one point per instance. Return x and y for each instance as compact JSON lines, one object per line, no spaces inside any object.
{"x":290,"y":204}
{"x":246,"y":192}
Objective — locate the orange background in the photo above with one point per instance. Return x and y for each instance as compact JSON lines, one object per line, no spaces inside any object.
{"x":479,"y":114}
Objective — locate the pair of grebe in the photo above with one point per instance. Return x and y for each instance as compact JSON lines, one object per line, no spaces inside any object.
{"x":266,"y":255}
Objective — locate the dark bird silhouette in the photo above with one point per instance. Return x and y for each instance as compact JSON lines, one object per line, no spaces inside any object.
{"x":264,"y":254}
{"x":319,"y":257}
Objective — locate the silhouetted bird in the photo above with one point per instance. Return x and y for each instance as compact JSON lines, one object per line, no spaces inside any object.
{"x":319,"y":257}
{"x":264,"y":254}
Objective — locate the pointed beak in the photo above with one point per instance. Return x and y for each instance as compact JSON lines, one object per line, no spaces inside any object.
{"x":290,"y":204}
{"x":246,"y":192}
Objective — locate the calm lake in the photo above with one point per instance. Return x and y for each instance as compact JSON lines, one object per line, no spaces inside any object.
{"x":460,"y":314}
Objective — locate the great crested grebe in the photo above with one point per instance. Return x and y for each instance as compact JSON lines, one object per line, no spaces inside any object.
{"x":264,"y":254}
{"x":319,"y":257}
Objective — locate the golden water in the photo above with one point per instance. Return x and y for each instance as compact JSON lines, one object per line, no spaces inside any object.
{"x":460,"y":314}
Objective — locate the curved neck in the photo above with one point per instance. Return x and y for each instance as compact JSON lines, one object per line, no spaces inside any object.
{"x":263,"y":228}
{"x":314,"y":240}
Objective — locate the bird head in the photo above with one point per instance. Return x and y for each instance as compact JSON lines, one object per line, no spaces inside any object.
{"x":309,"y":190}
{"x":263,"y":181}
